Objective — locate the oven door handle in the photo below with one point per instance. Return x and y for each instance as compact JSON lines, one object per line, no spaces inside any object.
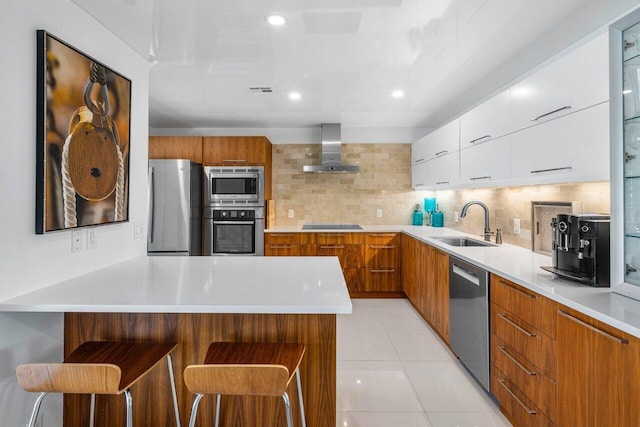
{"x":250,"y":221}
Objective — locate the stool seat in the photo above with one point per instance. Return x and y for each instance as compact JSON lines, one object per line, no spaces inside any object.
{"x":97,"y":367}
{"x":246,"y":368}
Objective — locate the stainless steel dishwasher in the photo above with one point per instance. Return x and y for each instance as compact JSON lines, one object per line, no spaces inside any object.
{"x":469,"y":317}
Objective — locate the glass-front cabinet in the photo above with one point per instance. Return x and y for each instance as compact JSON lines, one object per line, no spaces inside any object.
{"x":625,"y":154}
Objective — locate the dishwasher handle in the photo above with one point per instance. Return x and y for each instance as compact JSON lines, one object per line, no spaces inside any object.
{"x":469,"y":276}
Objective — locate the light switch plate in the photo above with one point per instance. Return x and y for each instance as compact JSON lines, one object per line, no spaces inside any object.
{"x":76,"y":240}
{"x":92,"y":240}
{"x":138,"y":230}
{"x":290,"y":213}
{"x":516,"y":226}
{"x":378,"y":213}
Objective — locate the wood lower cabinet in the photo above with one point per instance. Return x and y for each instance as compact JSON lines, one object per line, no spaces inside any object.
{"x":176,"y":147}
{"x":523,"y":353}
{"x":382,"y":262}
{"x":598,"y":373}
{"x":282,"y":244}
{"x":425,"y":281}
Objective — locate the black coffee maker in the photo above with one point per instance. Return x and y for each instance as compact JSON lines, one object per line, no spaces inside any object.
{"x":580,"y":248}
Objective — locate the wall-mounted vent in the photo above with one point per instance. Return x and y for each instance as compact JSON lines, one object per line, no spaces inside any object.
{"x":262,"y":89}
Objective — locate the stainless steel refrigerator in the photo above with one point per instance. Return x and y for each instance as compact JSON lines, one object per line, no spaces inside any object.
{"x":175,"y":208}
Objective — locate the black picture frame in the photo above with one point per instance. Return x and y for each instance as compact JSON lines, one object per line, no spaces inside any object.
{"x":83,"y":139}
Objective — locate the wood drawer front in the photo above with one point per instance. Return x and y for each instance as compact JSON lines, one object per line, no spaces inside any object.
{"x":278,"y":238}
{"x":350,"y":256}
{"x":536,"y":386}
{"x":382,"y":280}
{"x":281,"y":249}
{"x":354,"y":278}
{"x":379,"y":256}
{"x":335,"y":238}
{"x":519,"y":409}
{"x":383,"y":239}
{"x":530,"y":307}
{"x":530,"y":343}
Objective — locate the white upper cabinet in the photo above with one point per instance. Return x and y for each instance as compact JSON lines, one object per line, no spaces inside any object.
{"x":443,"y":140}
{"x":420,"y":176}
{"x":418,"y":152}
{"x":571,"y":148}
{"x":487,"y":121}
{"x":578,"y":80}
{"x":444,"y":171}
{"x":486,"y":164}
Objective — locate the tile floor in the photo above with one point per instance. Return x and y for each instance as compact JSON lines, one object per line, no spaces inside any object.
{"x":394,"y":371}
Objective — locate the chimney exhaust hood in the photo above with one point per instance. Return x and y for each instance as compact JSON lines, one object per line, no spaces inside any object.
{"x":331,"y":153}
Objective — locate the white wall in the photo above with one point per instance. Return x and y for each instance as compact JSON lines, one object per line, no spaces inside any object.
{"x":29,"y":261}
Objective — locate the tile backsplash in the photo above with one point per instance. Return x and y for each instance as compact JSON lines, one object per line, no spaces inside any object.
{"x":385,"y":183}
{"x":508,"y":203}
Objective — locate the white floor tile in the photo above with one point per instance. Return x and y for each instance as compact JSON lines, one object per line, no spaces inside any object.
{"x":467,"y":419}
{"x":419,"y":345}
{"x":375,"y":387}
{"x":362,"y":319}
{"x":382,"y":419}
{"x":443,"y":386}
{"x":391,"y":303}
{"x":400,"y":318}
{"x":365,"y":345}
{"x":363,"y":303}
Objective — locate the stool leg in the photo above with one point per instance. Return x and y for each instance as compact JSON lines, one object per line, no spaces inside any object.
{"x":173,"y":391}
{"x":217,"y":410}
{"x":194,"y":410}
{"x":92,"y":410}
{"x":127,"y":396}
{"x":287,"y":405}
{"x":302,"y":416}
{"x":36,"y":409}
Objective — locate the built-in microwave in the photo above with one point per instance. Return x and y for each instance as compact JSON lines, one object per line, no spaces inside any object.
{"x":234,"y":186}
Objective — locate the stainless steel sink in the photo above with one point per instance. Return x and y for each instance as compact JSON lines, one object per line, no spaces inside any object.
{"x":463,"y":241}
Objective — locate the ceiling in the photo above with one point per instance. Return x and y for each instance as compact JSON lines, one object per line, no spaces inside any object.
{"x":344,"y":57}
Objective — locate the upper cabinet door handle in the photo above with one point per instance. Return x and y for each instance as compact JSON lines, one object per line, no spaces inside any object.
{"x":442,"y":152}
{"x":473,"y":141}
{"x":566,"y":107}
{"x":419,"y":160}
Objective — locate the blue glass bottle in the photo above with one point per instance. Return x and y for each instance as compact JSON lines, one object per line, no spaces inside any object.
{"x":437,"y":219}
{"x":417,"y":215}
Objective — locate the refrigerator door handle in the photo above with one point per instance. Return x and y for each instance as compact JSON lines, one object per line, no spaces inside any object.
{"x":151,"y":204}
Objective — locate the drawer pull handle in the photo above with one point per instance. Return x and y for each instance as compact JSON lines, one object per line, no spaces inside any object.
{"x":621,"y":341}
{"x":382,"y":235}
{"x":552,"y":169}
{"x":524,"y":331}
{"x":473,"y":141}
{"x":503,"y":383}
{"x":281,"y":246}
{"x":513,"y":288}
{"x":382,"y":247}
{"x":566,"y":107}
{"x":281,"y":234}
{"x":331,"y":235}
{"x":234,"y":161}
{"x":442,"y":152}
{"x":332,"y":247}
{"x":513,"y":359}
{"x":384,"y":271}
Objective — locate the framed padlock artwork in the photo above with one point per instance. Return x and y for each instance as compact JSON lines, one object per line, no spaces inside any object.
{"x":84,"y":118}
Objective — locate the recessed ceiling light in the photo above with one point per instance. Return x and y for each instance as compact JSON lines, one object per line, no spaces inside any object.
{"x":276,"y":20}
{"x":295,"y":95}
{"x":397,"y":93}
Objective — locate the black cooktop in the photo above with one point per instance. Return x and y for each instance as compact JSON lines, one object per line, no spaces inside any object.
{"x":331,"y":227}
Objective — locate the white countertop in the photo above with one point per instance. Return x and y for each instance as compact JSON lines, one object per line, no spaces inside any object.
{"x":522,"y":266}
{"x":302,"y":285}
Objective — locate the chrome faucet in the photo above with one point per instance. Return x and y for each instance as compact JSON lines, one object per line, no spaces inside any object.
{"x":487,"y":230}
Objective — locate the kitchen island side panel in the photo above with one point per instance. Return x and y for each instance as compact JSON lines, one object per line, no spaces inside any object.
{"x":194,"y":332}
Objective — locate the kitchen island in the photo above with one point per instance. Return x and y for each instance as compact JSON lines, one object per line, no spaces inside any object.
{"x":195,"y":301}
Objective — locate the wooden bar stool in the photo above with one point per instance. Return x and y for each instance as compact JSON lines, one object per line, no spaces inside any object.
{"x":98,"y":367}
{"x":246,"y":369}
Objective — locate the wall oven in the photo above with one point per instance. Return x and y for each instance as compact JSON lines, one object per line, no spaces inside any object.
{"x":234,"y":186}
{"x":232,"y":231}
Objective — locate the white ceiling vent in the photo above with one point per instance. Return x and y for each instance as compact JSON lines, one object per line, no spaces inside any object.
{"x":262,"y":89}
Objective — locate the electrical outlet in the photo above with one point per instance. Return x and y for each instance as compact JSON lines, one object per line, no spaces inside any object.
{"x":138,"y":230}
{"x":378,"y":213}
{"x":76,"y":240}
{"x":290,"y":213}
{"x":92,"y":241}
{"x":456,"y":217}
{"x":516,"y":226}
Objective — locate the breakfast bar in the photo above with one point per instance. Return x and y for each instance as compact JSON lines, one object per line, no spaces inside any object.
{"x":195,"y":301}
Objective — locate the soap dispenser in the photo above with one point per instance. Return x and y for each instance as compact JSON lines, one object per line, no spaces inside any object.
{"x":417,"y":215}
{"x":437,"y":218}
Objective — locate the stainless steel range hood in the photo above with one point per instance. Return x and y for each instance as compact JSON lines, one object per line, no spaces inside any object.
{"x":331,"y":153}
